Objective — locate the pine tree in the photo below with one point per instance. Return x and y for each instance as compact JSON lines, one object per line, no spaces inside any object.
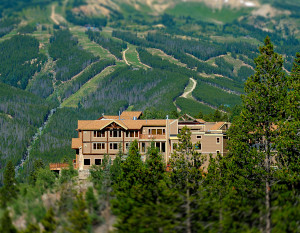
{"x":153,"y":198}
{"x":287,"y":193}
{"x":78,"y":217}
{"x":6,"y":224}
{"x":124,"y":204}
{"x":32,"y":228}
{"x":10,"y":189}
{"x":252,"y":136}
{"x":186,"y":177}
{"x":49,"y":221}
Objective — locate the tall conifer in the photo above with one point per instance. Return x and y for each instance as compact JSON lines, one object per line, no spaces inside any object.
{"x":10,"y":189}
{"x":253,"y":134}
{"x":186,"y":178}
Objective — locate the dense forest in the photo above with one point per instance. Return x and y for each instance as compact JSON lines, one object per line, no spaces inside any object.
{"x":20,"y":60}
{"x":71,"y":59}
{"x":234,"y":193}
{"x":64,"y":61}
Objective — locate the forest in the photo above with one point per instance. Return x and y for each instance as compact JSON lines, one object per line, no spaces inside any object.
{"x":70,"y":58}
{"x":20,"y":60}
{"x":254,"y":188}
{"x":64,"y":61}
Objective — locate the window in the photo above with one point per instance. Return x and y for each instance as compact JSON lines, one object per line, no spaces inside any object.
{"x":199,"y":137}
{"x":218,"y":140}
{"x":157,"y":145}
{"x":218,"y":152}
{"x":99,"y":146}
{"x":98,"y":161}
{"x":157,"y":131}
{"x":163,"y":147}
{"x":87,"y":162}
{"x":127,"y":145}
{"x":113,"y":146}
{"x":198,"y":146}
{"x":99,"y":134}
{"x":143,"y":149}
{"x":132,"y":134}
{"x":115,"y":133}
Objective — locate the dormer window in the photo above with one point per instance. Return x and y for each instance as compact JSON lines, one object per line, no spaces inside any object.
{"x":99,"y":134}
{"x":115,"y":133}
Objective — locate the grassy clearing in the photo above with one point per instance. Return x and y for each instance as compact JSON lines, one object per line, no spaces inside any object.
{"x":201,"y":11}
{"x":37,"y":15}
{"x":192,"y":107}
{"x":231,"y":39}
{"x":89,"y":87}
{"x":157,"y":52}
{"x":189,"y":89}
{"x":89,"y":45}
{"x":132,"y":57}
{"x":9,"y":35}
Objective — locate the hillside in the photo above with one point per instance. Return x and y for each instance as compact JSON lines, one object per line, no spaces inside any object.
{"x":88,"y":57}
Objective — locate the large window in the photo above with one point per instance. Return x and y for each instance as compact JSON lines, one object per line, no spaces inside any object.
{"x":161,"y":146}
{"x":99,"y":146}
{"x":157,"y":131}
{"x":132,"y":134}
{"x":99,"y":134}
{"x":113,"y":146}
{"x":115,"y":133}
{"x":87,"y":162}
{"x":98,"y":161}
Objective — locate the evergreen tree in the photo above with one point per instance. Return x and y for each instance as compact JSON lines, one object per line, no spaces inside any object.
{"x":78,"y":217}
{"x":251,"y":137}
{"x":6,"y":224}
{"x":37,"y":165}
{"x":287,"y":194}
{"x":49,"y":221}
{"x":124,"y":204}
{"x":9,"y":190}
{"x":91,"y":200}
{"x":186,"y":178}
{"x":32,"y":228}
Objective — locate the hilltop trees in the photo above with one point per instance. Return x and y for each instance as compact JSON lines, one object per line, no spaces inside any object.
{"x":252,"y":147}
{"x":186,"y":177}
{"x":9,"y":191}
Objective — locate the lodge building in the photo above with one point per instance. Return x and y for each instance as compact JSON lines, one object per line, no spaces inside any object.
{"x":110,"y":134}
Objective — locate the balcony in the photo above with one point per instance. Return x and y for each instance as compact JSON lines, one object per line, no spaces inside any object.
{"x":152,"y":137}
{"x":60,"y":166}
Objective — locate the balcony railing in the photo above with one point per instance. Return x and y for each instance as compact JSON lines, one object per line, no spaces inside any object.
{"x":152,"y":137}
{"x":58,"y":166}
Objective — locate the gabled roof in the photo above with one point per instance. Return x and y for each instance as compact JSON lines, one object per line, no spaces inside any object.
{"x":138,"y":124}
{"x":127,"y":115}
{"x":217,"y":126}
{"x":126,"y":124}
{"x":82,"y":123}
{"x":200,"y":120}
{"x":100,"y":124}
{"x":109,"y":117}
